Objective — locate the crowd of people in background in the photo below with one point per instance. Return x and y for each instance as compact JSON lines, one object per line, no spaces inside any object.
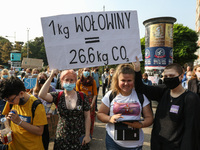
{"x":48,"y":85}
{"x":73,"y":96}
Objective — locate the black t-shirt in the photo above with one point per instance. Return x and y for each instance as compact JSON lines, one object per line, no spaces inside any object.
{"x":176,"y":124}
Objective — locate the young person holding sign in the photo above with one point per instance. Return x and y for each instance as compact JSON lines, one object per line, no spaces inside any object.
{"x":121,"y":109}
{"x":177,"y":118}
{"x":87,"y":85}
{"x":73,"y":129}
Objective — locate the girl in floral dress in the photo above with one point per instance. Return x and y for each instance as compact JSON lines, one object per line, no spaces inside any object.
{"x":73,"y":129}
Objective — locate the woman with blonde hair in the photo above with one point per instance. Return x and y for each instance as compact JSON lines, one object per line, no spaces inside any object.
{"x":5,"y":74}
{"x":73,"y":127}
{"x":194,"y":82}
{"x":123,"y":112}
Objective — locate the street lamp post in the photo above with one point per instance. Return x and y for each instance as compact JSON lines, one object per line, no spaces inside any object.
{"x":27,"y":42}
{"x":12,"y":36}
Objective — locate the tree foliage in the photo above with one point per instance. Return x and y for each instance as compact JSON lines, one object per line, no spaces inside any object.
{"x":36,"y":49}
{"x":185,"y":44}
{"x":5,"y":49}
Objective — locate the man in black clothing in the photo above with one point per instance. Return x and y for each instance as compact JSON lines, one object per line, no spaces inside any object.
{"x":177,"y":118}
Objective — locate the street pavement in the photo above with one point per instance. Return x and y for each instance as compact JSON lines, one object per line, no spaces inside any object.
{"x":98,"y":139}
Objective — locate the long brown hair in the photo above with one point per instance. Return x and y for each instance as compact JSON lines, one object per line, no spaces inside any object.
{"x":86,"y":81}
{"x":37,"y":87}
{"x":194,"y":76}
{"x":124,"y":69}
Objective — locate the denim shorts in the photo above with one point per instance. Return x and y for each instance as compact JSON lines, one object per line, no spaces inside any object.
{"x":111,"y":145}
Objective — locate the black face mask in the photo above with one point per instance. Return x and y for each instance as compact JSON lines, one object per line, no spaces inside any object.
{"x":41,"y":81}
{"x":172,"y":83}
{"x":22,"y":101}
{"x":97,"y":70}
{"x":145,"y":80}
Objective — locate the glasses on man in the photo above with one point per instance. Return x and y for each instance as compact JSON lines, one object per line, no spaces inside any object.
{"x":10,"y":101}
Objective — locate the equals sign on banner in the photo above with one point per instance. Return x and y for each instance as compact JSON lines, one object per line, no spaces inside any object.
{"x":92,"y":40}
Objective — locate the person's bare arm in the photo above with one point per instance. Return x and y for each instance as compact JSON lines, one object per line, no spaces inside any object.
{"x":87,"y":138}
{"x":14,"y":117}
{"x":148,"y":119}
{"x":103,"y":116}
{"x":45,"y":88}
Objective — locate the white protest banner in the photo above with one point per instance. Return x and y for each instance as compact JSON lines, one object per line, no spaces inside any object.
{"x":91,"y":39}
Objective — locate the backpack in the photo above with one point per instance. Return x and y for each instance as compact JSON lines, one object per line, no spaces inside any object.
{"x":139,"y":95}
{"x":45,"y":135}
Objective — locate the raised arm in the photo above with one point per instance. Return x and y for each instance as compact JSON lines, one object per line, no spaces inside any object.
{"x":151,"y":92}
{"x":44,"y":90}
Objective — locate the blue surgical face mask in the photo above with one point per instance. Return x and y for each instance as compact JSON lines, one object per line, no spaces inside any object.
{"x":69,"y":86}
{"x":86,"y":74}
{"x":5,"y":76}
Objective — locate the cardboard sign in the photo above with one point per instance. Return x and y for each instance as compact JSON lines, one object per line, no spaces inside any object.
{"x":91,"y":39}
{"x":32,"y":63}
{"x":30,"y":83}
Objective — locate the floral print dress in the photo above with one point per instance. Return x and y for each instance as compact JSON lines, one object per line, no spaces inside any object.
{"x":71,"y":123}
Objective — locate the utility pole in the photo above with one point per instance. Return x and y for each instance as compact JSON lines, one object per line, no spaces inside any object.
{"x":27,"y":42}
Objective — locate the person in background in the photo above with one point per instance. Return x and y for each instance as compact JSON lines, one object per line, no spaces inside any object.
{"x":125,"y":105}
{"x":73,"y":129}
{"x":28,"y":72}
{"x":145,"y":79}
{"x":103,"y":78}
{"x":188,"y":77}
{"x":161,"y":80}
{"x":27,"y":131}
{"x":35,"y":72}
{"x":22,"y":76}
{"x":185,"y":72}
{"x":95,"y":75}
{"x":108,"y":80}
{"x":1,"y":68}
{"x":41,"y":79}
{"x":194,"y":82}
{"x":80,"y":71}
{"x":177,"y":118}
{"x":87,"y":85}
{"x":5,"y":74}
{"x":12,"y":71}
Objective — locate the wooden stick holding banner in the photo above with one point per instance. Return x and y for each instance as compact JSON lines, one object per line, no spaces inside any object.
{"x":91,"y":39}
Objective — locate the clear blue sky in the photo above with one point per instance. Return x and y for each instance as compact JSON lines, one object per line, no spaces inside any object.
{"x":18,"y":15}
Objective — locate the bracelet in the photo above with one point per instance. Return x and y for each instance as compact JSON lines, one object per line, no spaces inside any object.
{"x":20,"y":122}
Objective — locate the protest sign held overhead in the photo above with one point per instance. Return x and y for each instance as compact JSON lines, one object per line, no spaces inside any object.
{"x":30,"y":83}
{"x":91,"y":39}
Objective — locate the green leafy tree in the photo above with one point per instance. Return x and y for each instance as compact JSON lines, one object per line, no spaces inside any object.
{"x":5,"y":48}
{"x":142,"y":42}
{"x":185,"y":44}
{"x":36,"y":49}
{"x":5,"y":52}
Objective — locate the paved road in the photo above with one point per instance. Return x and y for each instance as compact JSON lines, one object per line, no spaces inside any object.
{"x":98,"y":139}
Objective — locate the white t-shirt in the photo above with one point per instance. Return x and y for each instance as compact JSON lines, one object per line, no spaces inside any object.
{"x":130,"y":108}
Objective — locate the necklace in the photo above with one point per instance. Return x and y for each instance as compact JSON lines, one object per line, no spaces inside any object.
{"x":70,"y":98}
